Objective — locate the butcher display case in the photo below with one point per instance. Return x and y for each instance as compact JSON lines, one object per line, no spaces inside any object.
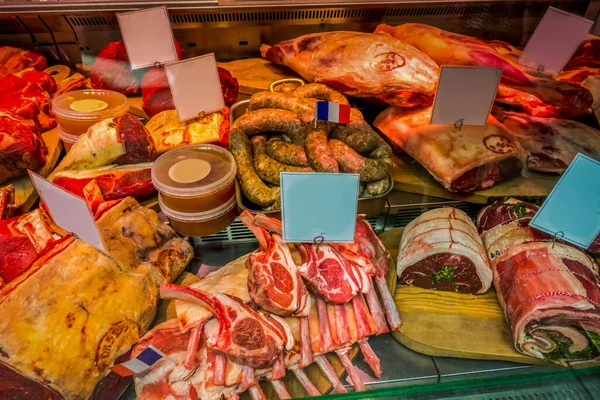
{"x":468,"y":352}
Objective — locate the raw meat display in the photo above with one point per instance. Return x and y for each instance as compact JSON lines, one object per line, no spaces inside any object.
{"x":587,"y":55}
{"x":462,"y":160}
{"x":112,"y":182}
{"x":204,"y":361}
{"x":551,"y":143}
{"x":549,"y":290}
{"x":14,"y":60}
{"x":28,"y":95}
{"x":442,"y":250}
{"x":538,"y":96}
{"x":112,"y":71}
{"x":361,"y":65}
{"x":21,"y":146}
{"x":157,"y":94}
{"x":121,"y":140}
{"x":167,"y":132}
{"x":103,"y":303}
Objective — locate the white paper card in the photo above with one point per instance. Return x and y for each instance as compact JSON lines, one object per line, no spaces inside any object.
{"x":195,"y":86}
{"x":554,"y":41}
{"x":68,"y":211}
{"x":318,"y":206}
{"x":148,"y":37}
{"x":465,"y":94}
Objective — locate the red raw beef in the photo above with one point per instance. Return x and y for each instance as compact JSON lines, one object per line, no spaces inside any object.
{"x":157,"y":94}
{"x":14,"y":60}
{"x":21,"y":146}
{"x":28,"y":97}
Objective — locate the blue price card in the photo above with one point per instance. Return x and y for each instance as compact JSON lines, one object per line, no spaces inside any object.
{"x":316,"y":205}
{"x":572,"y":210}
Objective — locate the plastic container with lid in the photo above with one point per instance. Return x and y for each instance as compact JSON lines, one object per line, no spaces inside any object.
{"x":195,"y":178}
{"x":78,"y":110}
{"x":200,"y":223}
{"x":68,"y":140}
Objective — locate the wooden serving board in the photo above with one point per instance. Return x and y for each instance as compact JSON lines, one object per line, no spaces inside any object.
{"x":410,"y":176}
{"x":256,"y":74}
{"x":25,"y":193}
{"x":444,"y":324}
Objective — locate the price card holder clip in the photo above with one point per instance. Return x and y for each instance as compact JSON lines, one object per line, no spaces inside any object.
{"x":459,"y":123}
{"x":318,"y":240}
{"x":562,"y":235}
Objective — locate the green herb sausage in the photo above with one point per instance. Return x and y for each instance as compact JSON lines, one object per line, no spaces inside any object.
{"x":303,"y":108}
{"x":321,"y":92}
{"x":358,"y":135}
{"x":272,"y":120}
{"x":286,"y":153}
{"x":253,"y":187}
{"x":267,"y":168}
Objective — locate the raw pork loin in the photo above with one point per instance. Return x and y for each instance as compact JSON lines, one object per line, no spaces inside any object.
{"x":549,"y":290}
{"x":472,"y":158}
{"x":361,"y":65}
{"x":442,"y":250}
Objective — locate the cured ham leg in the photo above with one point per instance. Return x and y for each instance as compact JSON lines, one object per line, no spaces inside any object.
{"x":360,"y":65}
{"x":537,"y":96}
{"x":245,"y":336}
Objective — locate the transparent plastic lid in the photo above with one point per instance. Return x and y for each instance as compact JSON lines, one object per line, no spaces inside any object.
{"x":193,"y":170}
{"x":90,"y":104}
{"x":197,"y":217}
{"x":66,"y":137}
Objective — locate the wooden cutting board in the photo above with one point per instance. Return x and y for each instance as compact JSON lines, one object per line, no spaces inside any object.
{"x":410,"y":176}
{"x":25,"y":193}
{"x":444,"y":324}
{"x":256,"y":74}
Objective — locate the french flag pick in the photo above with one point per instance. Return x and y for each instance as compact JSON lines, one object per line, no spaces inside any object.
{"x":333,"y":112}
{"x":142,"y":362}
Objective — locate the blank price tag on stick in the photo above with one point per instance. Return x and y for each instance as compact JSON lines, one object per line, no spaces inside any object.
{"x":318,"y":207}
{"x":195,"y":86}
{"x":148,"y":37}
{"x":68,"y":211}
{"x":554,"y":41}
{"x":572,"y":210}
{"x":465,"y":95}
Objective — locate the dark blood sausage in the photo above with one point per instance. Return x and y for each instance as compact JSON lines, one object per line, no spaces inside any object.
{"x":321,"y":92}
{"x":443,"y":271}
{"x":267,"y":168}
{"x":358,"y":135}
{"x":14,"y":386}
{"x":272,"y":120}
{"x":350,"y":161}
{"x":303,"y":108}
{"x":253,"y":187}
{"x":319,"y":154}
{"x":286,"y":153}
{"x":442,"y":250}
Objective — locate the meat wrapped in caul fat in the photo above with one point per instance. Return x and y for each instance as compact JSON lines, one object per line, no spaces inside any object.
{"x":549,"y":290}
{"x":442,"y":250}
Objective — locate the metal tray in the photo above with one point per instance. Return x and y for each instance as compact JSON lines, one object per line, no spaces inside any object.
{"x":370,"y":206}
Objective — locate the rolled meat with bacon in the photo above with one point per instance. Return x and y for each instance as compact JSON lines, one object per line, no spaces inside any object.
{"x":442,"y":250}
{"x":549,"y":290}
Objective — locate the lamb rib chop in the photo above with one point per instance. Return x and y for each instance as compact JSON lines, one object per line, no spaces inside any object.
{"x":244,"y":335}
{"x":274,"y":282}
